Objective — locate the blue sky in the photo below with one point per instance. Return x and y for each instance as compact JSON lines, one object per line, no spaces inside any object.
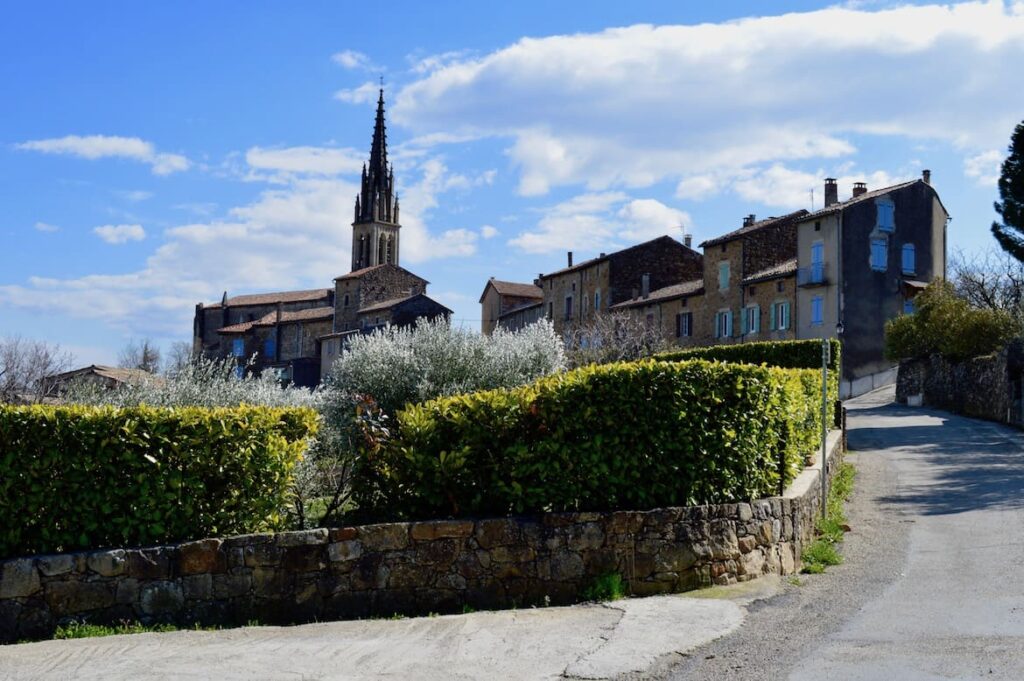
{"x":153,"y":155}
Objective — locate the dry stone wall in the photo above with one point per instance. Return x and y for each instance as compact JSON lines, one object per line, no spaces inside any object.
{"x":379,"y":570}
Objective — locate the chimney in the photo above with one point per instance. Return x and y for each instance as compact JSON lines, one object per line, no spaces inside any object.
{"x":636,"y":293}
{"x":570,"y":258}
{"x":749,"y":220}
{"x":645,"y":285}
{"x":688,"y":240}
{"x":859,"y":188}
{"x":602,"y":255}
{"x":831,"y":191}
{"x":926,"y":175}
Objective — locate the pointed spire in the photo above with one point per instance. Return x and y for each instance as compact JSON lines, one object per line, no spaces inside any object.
{"x":379,"y":148}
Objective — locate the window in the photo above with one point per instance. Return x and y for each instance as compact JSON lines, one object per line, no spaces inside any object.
{"x":723,"y":276}
{"x":346,"y":300}
{"x":238,"y":347}
{"x":752,"y":319}
{"x":817,"y":225}
{"x":568,"y":307}
{"x":752,"y":290}
{"x":886,"y":215}
{"x":908,"y":306}
{"x":723,"y":324}
{"x":650,"y":321}
{"x":684,"y":325}
{"x":269,"y":348}
{"x":551,"y":310}
{"x":817,"y":311}
{"x":779,"y":317}
{"x":817,"y":262}
{"x":780,"y":286}
{"x":597,"y":300}
{"x":239,"y":371}
{"x":879,"y":254}
{"x":909,"y":259}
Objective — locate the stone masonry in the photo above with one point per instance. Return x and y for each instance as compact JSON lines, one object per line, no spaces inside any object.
{"x":414,"y":568}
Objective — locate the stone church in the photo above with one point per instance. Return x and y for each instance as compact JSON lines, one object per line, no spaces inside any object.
{"x":299,"y":334}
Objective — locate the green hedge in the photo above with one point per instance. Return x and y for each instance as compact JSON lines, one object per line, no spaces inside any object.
{"x":617,"y":436}
{"x":85,"y":477}
{"x":797,"y":354}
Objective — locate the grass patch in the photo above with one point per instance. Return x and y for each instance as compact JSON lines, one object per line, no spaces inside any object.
{"x":823,"y":551}
{"x":606,"y":587}
{"x":86,"y":630}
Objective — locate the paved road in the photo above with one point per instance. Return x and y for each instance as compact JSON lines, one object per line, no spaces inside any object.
{"x":932,"y":585}
{"x":586,"y":641}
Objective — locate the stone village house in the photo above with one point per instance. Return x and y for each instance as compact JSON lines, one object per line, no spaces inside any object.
{"x":299,"y":334}
{"x":843,"y":270}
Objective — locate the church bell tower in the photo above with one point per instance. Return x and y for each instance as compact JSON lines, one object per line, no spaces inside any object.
{"x":375,"y":228}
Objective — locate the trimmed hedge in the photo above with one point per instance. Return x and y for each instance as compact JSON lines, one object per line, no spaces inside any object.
{"x":616,"y":436}
{"x":87,"y":477}
{"x":796,"y":354}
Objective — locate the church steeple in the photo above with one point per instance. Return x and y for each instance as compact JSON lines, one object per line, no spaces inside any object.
{"x":375,"y":228}
{"x":376,"y":199}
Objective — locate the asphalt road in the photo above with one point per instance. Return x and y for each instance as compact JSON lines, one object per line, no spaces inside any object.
{"x":931,"y":586}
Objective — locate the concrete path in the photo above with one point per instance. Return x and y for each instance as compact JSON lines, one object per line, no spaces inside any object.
{"x":931,"y":587}
{"x":586,"y":641}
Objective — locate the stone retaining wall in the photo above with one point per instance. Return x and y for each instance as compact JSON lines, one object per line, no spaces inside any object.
{"x":983,"y":387}
{"x":414,"y":568}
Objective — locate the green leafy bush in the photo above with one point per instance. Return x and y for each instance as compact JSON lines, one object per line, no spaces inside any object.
{"x":800,"y":354}
{"x":945,"y":324}
{"x":617,"y":436}
{"x":85,"y":477}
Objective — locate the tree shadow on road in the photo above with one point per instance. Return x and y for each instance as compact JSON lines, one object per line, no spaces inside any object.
{"x":956,"y":464}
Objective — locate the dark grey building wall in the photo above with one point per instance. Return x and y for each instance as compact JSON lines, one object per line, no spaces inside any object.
{"x":872,"y":297}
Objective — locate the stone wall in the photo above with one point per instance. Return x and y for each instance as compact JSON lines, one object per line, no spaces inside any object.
{"x":983,"y":387}
{"x":436,"y":566}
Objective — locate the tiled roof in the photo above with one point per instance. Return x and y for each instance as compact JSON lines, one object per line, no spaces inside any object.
{"x":747,"y":229}
{"x":687,"y":288}
{"x":782,"y":269}
{"x":594,"y":261}
{"x":386,"y":304}
{"x":520,"y":308}
{"x":512,"y":288}
{"x":276,"y":297}
{"x":355,"y":274}
{"x":836,"y":207}
{"x":269,"y":319}
{"x":119,"y":374}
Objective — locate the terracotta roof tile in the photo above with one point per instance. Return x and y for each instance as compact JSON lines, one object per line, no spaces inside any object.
{"x":270,"y":319}
{"x":757,"y":226}
{"x":687,"y":288}
{"x":512,"y":288}
{"x":782,"y":269}
{"x":836,"y":207}
{"x":275,"y":297}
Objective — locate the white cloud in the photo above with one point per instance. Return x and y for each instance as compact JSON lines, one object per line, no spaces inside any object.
{"x":354,"y":60}
{"x":985,"y":167}
{"x":365,"y":93}
{"x":134,"y":196}
{"x":94,"y":147}
{"x":293,"y":235}
{"x":602,"y":220}
{"x":46,"y":227}
{"x":309,"y":160}
{"x":120,"y":234}
{"x":782,"y":187}
{"x":488,"y":231}
{"x":630,"y":107}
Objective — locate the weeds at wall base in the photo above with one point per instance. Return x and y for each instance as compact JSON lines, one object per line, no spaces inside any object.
{"x":823,"y":552}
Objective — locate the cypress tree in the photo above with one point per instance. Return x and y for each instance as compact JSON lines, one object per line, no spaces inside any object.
{"x":1010,"y":233}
